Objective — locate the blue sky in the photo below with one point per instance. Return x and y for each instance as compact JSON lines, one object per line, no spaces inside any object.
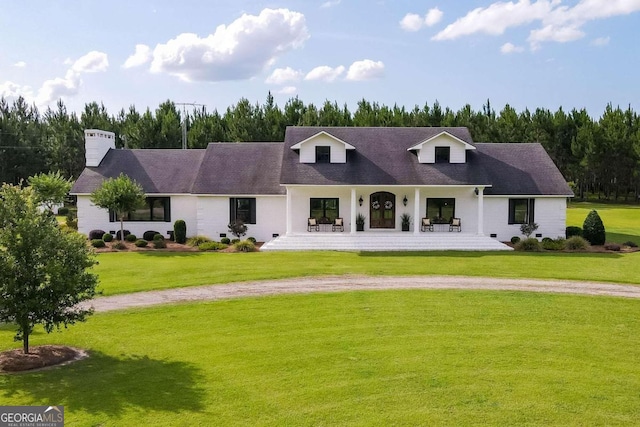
{"x":544,"y":53}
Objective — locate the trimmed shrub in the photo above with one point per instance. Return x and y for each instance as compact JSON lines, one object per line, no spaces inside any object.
{"x":131,"y":238}
{"x":234,"y":241}
{"x":63,"y":210}
{"x":238,"y":228}
{"x":572,"y":231}
{"x":553,"y":245}
{"x":225,"y":240}
{"x":96,"y":234}
{"x":547,"y":239}
{"x":252,"y":240}
{"x":515,"y":239}
{"x":197,"y":240}
{"x":107,"y":237}
{"x":148,"y":235}
{"x":631,"y":244}
{"x":119,"y":245}
{"x":180,"y":231}
{"x":529,"y":244}
{"x":98,"y":243}
{"x":211,"y":246}
{"x":612,"y":247}
{"x":593,"y":229}
{"x":158,"y":237}
{"x":159,"y":244}
{"x":244,"y":246}
{"x":141,"y":243}
{"x":576,"y":243}
{"x":118,"y":235}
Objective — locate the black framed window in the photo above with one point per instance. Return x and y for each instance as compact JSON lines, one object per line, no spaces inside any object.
{"x":521,"y":211}
{"x":323,"y":154}
{"x":156,"y":209}
{"x":443,"y":154}
{"x":441,"y":210}
{"x":324,"y":210}
{"x":243,"y":209}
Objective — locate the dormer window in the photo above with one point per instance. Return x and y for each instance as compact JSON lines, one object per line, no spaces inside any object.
{"x":443,"y":154}
{"x":323,"y":154}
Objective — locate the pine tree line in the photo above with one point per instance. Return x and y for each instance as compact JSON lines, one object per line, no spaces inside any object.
{"x":600,"y":157}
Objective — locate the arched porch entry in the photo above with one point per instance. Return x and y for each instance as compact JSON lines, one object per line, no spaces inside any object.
{"x":382,"y":210}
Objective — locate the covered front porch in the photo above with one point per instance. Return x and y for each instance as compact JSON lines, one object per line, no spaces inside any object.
{"x":384,"y":241}
{"x":385,"y":209}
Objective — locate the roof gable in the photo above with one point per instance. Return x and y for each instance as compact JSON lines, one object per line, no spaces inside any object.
{"x":299,"y":145}
{"x":420,"y":145}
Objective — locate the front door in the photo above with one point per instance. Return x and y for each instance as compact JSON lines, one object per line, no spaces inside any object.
{"x":382,"y":208}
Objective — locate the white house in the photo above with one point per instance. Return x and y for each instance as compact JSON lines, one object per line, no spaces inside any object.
{"x":326,"y":173}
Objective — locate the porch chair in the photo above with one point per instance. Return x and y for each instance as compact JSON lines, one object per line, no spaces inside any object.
{"x":338,"y":224}
{"x":426,"y":225}
{"x":312,"y":225}
{"x":455,"y":224}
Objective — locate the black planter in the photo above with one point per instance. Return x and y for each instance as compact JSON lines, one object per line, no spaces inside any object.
{"x":359,"y":227}
{"x":405,"y":227}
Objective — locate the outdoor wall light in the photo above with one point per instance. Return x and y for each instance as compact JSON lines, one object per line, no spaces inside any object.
{"x":404,"y":201}
{"x":360,"y":200}
{"x":476,"y":191}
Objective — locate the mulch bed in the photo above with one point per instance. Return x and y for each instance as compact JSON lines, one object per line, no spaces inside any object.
{"x":39,"y":357}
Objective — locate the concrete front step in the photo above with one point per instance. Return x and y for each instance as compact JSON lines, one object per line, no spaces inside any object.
{"x":384,"y":242}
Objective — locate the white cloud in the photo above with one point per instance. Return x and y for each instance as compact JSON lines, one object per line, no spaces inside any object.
{"x":20,"y":64}
{"x":433,"y":17}
{"x":330,"y":3}
{"x":414,"y":22}
{"x":325,"y":73}
{"x":141,"y":56}
{"x":601,"y":41}
{"x":411,"y":22}
{"x":283,"y":75}
{"x":508,"y":48}
{"x":365,"y":70}
{"x":559,"y":23}
{"x":234,"y":52}
{"x":92,"y":62}
{"x":288,"y":90}
{"x":14,"y":90}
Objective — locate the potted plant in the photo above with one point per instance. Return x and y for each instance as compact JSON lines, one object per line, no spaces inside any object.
{"x":405,"y":220}
{"x":360,"y":222}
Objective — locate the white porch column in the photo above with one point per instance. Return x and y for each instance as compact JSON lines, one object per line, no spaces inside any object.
{"x":417,"y":221}
{"x":480,"y":210}
{"x":353,"y":211}
{"x":289,"y":219}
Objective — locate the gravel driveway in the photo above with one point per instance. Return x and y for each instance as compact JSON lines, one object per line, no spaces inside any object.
{"x":350,"y":283}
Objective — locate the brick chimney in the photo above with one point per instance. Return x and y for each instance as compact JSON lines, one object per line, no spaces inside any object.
{"x":97,"y":143}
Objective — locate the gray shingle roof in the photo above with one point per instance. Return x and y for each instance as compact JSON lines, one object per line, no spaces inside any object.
{"x":240,"y":168}
{"x":381,"y":158}
{"x":521,"y":169}
{"x":157,"y":171}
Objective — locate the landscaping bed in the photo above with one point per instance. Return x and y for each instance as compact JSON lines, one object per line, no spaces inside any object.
{"x":39,"y":357}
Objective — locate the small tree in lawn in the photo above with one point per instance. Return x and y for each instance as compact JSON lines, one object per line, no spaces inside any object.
{"x":238,"y":228}
{"x":593,"y":229}
{"x":50,"y":188}
{"x":121,"y":195}
{"x":43,"y":270}
{"x":528,"y":229}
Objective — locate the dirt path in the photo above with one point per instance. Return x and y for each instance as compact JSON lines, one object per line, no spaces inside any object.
{"x":349,"y":283}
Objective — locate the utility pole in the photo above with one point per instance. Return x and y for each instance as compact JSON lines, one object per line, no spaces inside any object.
{"x":184,"y":120}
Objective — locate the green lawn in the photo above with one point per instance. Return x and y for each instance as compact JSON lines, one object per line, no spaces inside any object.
{"x":621,"y":222}
{"x":359,"y":358}
{"x":132,"y":272}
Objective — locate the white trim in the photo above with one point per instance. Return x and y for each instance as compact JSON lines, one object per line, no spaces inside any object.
{"x":346,"y":144}
{"x":527,"y":196}
{"x":389,"y":185}
{"x":419,"y":145}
